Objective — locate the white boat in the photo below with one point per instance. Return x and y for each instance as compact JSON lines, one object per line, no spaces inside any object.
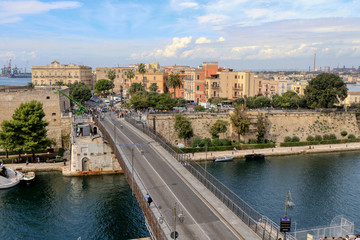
{"x":9,"y":178}
{"x":224,"y":159}
{"x":28,"y":177}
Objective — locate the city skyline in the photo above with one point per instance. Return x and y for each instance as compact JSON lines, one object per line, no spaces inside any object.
{"x":239,"y":34}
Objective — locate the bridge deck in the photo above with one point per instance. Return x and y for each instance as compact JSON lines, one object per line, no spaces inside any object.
{"x":168,"y":182}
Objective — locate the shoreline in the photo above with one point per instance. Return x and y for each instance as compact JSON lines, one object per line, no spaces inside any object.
{"x":277,"y":151}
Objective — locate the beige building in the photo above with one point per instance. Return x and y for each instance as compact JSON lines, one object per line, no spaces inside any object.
{"x":232,"y":85}
{"x":121,"y":82}
{"x":352,"y":97}
{"x":151,"y":76}
{"x":54,"y":105}
{"x":299,"y":88}
{"x":55,"y":72}
{"x":269,"y":88}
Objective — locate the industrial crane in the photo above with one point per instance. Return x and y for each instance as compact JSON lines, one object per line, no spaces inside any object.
{"x":81,"y":109}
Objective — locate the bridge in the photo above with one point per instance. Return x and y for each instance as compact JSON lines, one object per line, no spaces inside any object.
{"x":188,"y":202}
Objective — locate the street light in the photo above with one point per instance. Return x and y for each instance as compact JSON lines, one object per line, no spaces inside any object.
{"x":285,"y":223}
{"x":180,"y":217}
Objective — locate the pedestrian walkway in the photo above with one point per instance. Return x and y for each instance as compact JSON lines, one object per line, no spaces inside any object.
{"x":36,"y":167}
{"x":278,"y":151}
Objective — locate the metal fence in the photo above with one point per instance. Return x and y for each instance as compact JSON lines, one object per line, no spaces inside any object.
{"x":151,"y":219}
{"x":260,"y":224}
{"x":339,"y":227}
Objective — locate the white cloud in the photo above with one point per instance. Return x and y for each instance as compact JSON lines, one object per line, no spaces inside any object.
{"x":11,"y":11}
{"x":181,"y":5}
{"x":213,"y":19}
{"x":241,"y":49}
{"x":177,"y":44}
{"x":189,"y":5}
{"x":202,"y":40}
{"x":221,"y":39}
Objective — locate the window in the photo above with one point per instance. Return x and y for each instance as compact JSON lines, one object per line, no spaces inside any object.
{"x":54,"y":114}
{"x":50,"y":83}
{"x":76,"y":73}
{"x":49,"y":74}
{"x":198,"y":87}
{"x":136,"y":78}
{"x":198,"y":77}
{"x":69,"y":74}
{"x":48,"y":97}
{"x":154,"y":77}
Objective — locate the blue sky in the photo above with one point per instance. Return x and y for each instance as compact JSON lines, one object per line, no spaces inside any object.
{"x":241,"y":34}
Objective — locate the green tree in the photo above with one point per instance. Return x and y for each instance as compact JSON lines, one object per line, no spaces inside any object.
{"x":180,"y":102}
{"x":112,"y":75}
{"x":199,"y":108}
{"x":261,"y":128}
{"x":140,"y":100}
{"x":30,"y":85}
{"x":8,"y":137}
{"x":103,"y":85}
{"x":219,"y":126}
{"x":325,"y":90}
{"x":174,"y":82}
{"x":239,"y":101}
{"x":80,"y":92}
{"x":183,"y":127}
{"x":153,"y":87}
{"x":30,"y":127}
{"x":142,"y":71}
{"x":165,"y":102}
{"x":240,"y":120}
{"x":135,"y":87}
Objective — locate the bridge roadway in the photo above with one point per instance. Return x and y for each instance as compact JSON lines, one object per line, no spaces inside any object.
{"x":168,"y":182}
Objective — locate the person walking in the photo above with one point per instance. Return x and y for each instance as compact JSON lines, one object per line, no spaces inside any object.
{"x":148,"y":198}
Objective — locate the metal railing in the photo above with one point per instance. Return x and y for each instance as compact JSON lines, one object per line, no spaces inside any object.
{"x":260,"y":224}
{"x":151,"y":219}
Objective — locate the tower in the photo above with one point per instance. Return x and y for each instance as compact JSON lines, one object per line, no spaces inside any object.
{"x":314,"y":62}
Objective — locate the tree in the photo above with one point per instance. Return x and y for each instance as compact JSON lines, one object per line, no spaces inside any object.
{"x":219,"y":126}
{"x":103,"y":85}
{"x":325,"y":90}
{"x":153,"y":87}
{"x":7,"y":137}
{"x":183,"y":127}
{"x":30,"y":85}
{"x":180,"y":102}
{"x":140,"y":100}
{"x":165,"y":102}
{"x":240,"y":120}
{"x":112,"y":75}
{"x":261,"y":128}
{"x":30,"y":127}
{"x":136,"y":87}
{"x":142,"y":71}
{"x":174,"y":82}
{"x":80,"y":92}
{"x":199,"y":108}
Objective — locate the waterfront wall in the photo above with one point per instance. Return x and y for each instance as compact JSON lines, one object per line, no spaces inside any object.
{"x":278,"y":125}
{"x":53,"y":105}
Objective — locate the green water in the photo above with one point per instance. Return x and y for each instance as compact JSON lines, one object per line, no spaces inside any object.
{"x":57,"y":207}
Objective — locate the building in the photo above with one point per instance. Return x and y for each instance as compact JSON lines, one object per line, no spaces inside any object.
{"x":150,"y":77}
{"x":121,"y":82}
{"x":232,"y":85}
{"x":55,"y":72}
{"x":352,"y":97}
{"x":269,"y":88}
{"x":55,"y":106}
{"x":299,"y":88}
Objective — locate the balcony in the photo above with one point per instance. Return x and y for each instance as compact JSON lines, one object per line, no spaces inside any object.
{"x":237,"y":88}
{"x":76,"y":76}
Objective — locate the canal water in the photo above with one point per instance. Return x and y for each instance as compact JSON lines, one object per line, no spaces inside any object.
{"x":14,"y":81}
{"x":57,"y":207}
{"x":323,"y":186}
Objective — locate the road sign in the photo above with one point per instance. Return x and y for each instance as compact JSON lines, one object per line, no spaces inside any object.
{"x":285,"y":224}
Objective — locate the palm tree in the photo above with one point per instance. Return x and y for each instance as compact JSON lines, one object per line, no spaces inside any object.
{"x":142,"y":70}
{"x":112,"y":75}
{"x":174,"y":82}
{"x":135,"y":87}
{"x":130,"y":74}
{"x":153,"y":87}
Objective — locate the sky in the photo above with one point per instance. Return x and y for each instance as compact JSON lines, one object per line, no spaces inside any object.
{"x":239,"y":34}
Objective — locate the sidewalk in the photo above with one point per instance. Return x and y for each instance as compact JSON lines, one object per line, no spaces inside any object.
{"x":36,"y":167}
{"x":278,"y":151}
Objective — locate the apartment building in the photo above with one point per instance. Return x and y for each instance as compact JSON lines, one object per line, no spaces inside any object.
{"x":269,"y":88}
{"x":152,"y":76}
{"x":55,"y":72}
{"x":194,"y":85}
{"x":121,"y":82}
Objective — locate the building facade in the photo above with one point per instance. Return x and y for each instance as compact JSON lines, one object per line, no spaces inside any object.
{"x":55,"y":72}
{"x":121,"y":82}
{"x":150,"y":77}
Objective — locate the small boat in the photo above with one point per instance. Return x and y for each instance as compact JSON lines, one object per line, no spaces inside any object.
{"x":255,"y":156}
{"x":224,"y":159}
{"x":28,"y":177}
{"x":9,"y":178}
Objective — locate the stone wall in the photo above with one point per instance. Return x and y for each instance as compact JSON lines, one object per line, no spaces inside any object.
{"x":54,"y":105}
{"x":279,"y":125}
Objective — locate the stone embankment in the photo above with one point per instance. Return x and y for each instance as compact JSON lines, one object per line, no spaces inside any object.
{"x":36,"y":167}
{"x":279,"y":151}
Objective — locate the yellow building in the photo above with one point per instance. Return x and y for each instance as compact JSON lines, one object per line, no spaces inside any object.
{"x":232,"y":85}
{"x":121,"y":82}
{"x":55,"y":72}
{"x":299,"y":88}
{"x":269,"y":88}
{"x":352,"y":97}
{"x":159,"y":78}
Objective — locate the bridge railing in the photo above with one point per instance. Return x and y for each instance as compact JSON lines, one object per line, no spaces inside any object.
{"x":149,"y":215}
{"x":260,"y":224}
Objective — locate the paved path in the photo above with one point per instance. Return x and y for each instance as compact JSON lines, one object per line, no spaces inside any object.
{"x":168,"y":182}
{"x":278,"y":151}
{"x":36,"y":167}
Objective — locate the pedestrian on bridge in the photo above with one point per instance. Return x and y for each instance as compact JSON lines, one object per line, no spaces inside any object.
{"x":148,"y":198}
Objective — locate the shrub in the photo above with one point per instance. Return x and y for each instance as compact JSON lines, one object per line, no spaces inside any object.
{"x":332,"y":136}
{"x":196,"y":142}
{"x":326,"y":137}
{"x":225,"y":142}
{"x":207,"y":141}
{"x":310,"y":139}
{"x":318,"y":138}
{"x":295,"y":139}
{"x":199,"y":108}
{"x":287,"y":139}
{"x":351,"y":136}
{"x":216,"y":142}
{"x":343,"y":133}
{"x":252,"y":141}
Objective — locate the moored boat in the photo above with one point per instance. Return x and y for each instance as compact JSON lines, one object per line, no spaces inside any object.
{"x":9,"y":178}
{"x":28,"y":177}
{"x":224,"y":159}
{"x":255,"y":156}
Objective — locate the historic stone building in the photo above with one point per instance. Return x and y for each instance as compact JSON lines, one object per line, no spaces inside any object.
{"x":121,"y":82}
{"x":55,"y":107}
{"x":55,"y":72}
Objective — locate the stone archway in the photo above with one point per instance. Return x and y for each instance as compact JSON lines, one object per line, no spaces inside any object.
{"x":85,"y":164}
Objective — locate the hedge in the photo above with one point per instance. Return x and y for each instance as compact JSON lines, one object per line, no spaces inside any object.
{"x":293,"y":144}
{"x":334,"y":141}
{"x":229,"y":148}
{"x":3,"y":153}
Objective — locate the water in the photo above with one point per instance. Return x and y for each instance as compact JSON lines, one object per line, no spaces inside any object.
{"x":57,"y":207}
{"x":322,"y":186}
{"x":14,"y":81}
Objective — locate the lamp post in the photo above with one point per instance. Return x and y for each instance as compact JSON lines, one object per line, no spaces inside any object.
{"x":180,"y":217}
{"x":285,"y":224}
